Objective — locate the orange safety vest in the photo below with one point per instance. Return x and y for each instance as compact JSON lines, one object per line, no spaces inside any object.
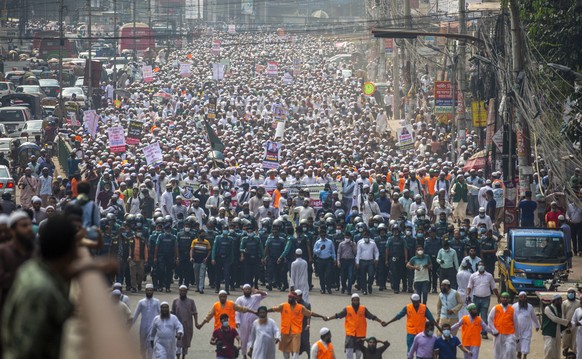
{"x":323,"y":352}
{"x":291,"y":319}
{"x":415,"y":320}
{"x":276,"y":197}
{"x":227,"y":309}
{"x":503,"y":320}
{"x":431,"y":182}
{"x":356,"y":323}
{"x":471,"y":331}
{"x":401,"y":183}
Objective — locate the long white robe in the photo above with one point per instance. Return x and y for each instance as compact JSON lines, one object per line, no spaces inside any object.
{"x":262,"y":339}
{"x":552,"y":345}
{"x":577,"y":320}
{"x":462,"y":283}
{"x":526,"y":317}
{"x":163,"y":333}
{"x":299,"y":275}
{"x":504,"y":345}
{"x":149,"y":309}
{"x":245,"y":321}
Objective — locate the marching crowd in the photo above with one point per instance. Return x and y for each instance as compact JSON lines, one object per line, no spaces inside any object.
{"x":344,"y":204}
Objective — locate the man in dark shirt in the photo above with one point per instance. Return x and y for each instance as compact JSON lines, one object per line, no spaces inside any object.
{"x":446,"y":345}
{"x":527,"y":209}
{"x":224,"y":338}
{"x":4,"y":161}
{"x":491,"y":205}
{"x":372,"y":351}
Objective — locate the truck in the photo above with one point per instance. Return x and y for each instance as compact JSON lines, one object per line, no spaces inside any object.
{"x":142,"y":38}
{"x":535,"y":259}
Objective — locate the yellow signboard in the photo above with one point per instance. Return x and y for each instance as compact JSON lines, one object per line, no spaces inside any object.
{"x":479,"y":113}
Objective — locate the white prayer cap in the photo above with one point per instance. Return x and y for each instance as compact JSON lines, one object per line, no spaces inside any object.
{"x":323,"y":331}
{"x":183,"y":287}
{"x":298,"y":292}
{"x":36,"y":199}
{"x":117,"y":285}
{"x":16,"y":216}
{"x":49,"y":207}
{"x":246,"y":286}
{"x":556,"y":296}
{"x":298,"y":251}
{"x":164,"y":303}
{"x":3,"y":219}
{"x":149,"y":286}
{"x":116,"y":292}
{"x":522,"y":293}
{"x":222,"y":292}
{"x":355,"y":295}
{"x":415,"y":297}
{"x":446,"y":282}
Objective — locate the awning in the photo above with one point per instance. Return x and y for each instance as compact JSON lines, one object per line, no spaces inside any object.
{"x":476,"y":162}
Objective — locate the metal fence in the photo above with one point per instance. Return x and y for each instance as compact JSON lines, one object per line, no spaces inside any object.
{"x":64,"y":153}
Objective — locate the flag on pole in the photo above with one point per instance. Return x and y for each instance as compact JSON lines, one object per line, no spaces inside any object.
{"x":215,"y":142}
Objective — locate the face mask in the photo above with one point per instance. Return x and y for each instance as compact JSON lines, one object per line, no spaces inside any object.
{"x":138,"y":225}
{"x":187,"y":229}
{"x":347,"y":239}
{"x":447,"y":333}
{"x":327,"y":340}
{"x":420,"y":253}
{"x":430,"y":333}
{"x":354,"y":212}
{"x":481,"y":215}
{"x":483,"y":230}
{"x":571,"y":296}
{"x":225,"y":231}
{"x":376,"y":225}
{"x":367,"y":240}
{"x":420,"y":235}
{"x":225,"y":324}
{"x":360,"y":229}
{"x":481,"y":269}
{"x":338,"y":231}
{"x":408,"y":233}
{"x":443,"y":221}
{"x":462,"y":234}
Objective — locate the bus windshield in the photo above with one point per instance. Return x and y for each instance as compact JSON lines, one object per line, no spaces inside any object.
{"x":539,"y":249}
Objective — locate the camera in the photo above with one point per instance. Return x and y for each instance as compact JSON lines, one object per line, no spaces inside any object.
{"x":220,"y":346}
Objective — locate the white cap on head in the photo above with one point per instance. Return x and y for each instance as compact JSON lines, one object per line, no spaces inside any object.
{"x":164,"y":303}
{"x":556,"y":296}
{"x":116,"y":292}
{"x":149,"y":286}
{"x":222,"y":292}
{"x":323,"y":331}
{"x":3,"y":219}
{"x":355,"y":295}
{"x":446,"y":281}
{"x":561,"y":217}
{"x":36,"y":199}
{"x":298,"y":292}
{"x":481,"y":209}
{"x":522,"y":293}
{"x":16,"y":216}
{"x":183,"y":287}
{"x":298,"y":251}
{"x":247,"y":286}
{"x":117,"y":285}
{"x":415,"y":297}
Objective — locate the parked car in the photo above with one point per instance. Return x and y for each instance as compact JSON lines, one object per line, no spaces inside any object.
{"x":50,"y":87}
{"x":6,"y":88}
{"x":6,"y":181}
{"x":14,"y":118}
{"x":32,"y":128}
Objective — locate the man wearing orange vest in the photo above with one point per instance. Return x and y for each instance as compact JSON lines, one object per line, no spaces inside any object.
{"x":471,"y":325}
{"x":227,"y":307}
{"x":292,"y":314}
{"x":355,"y":324}
{"x":504,"y":326}
{"x":323,"y":349}
{"x":416,"y":316}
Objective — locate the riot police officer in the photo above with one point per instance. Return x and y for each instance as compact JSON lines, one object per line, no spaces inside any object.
{"x":381,"y":240}
{"x":250,"y":254}
{"x":222,"y":258}
{"x":396,"y":258}
{"x":211,"y":234}
{"x":166,"y":255}
{"x":185,"y":236}
{"x":274,"y":257}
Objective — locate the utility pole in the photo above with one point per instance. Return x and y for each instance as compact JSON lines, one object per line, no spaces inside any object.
{"x":408,"y":25}
{"x":134,"y":35}
{"x":90,"y":65}
{"x":520,"y":124}
{"x":61,"y":45}
{"x":458,"y":82}
{"x":115,"y":39}
{"x":396,"y":82}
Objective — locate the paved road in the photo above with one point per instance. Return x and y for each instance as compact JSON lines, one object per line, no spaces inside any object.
{"x":383,"y":304}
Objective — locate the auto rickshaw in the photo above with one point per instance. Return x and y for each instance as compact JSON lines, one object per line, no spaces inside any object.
{"x":22,"y":156}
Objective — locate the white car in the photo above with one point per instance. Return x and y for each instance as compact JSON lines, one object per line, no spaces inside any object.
{"x":32,"y":128}
{"x":6,"y":88}
{"x":68,"y":92}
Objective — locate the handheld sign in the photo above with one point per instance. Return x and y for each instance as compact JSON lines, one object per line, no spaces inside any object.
{"x":368,"y":88}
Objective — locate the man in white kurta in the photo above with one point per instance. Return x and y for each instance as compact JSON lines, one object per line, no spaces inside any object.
{"x":148,"y":308}
{"x":552,"y":343}
{"x":504,"y":345}
{"x":463,"y":277}
{"x":577,"y":322}
{"x":569,"y":306}
{"x":251,"y":299}
{"x":299,"y":275}
{"x":166,"y":330}
{"x":264,"y":336}
{"x":527,"y":318}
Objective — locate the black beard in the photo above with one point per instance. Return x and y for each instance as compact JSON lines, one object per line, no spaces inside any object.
{"x":182,"y":297}
{"x":162,"y":315}
{"x":371,"y":349}
{"x":247,"y":295}
{"x":149,"y":296}
{"x":27,"y":243}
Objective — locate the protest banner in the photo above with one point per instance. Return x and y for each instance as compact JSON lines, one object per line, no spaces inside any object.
{"x":287,"y":79}
{"x":211,"y":108}
{"x":185,"y":70}
{"x":272,"y":68}
{"x":232,"y":29}
{"x":405,"y":137}
{"x":218,"y":71}
{"x":134,"y":130}
{"x":216,"y":47}
{"x":116,"y":139}
{"x":91,"y":122}
{"x":314,"y":192}
{"x":271,"y":155}
{"x":296,"y":67}
{"x":147,"y":73}
{"x":153,"y":154}
{"x":443,"y":97}
{"x":188,"y":188}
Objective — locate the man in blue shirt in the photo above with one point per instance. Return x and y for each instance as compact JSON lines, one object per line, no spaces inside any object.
{"x":527,"y":209}
{"x":446,"y":345}
{"x":325,"y":252}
